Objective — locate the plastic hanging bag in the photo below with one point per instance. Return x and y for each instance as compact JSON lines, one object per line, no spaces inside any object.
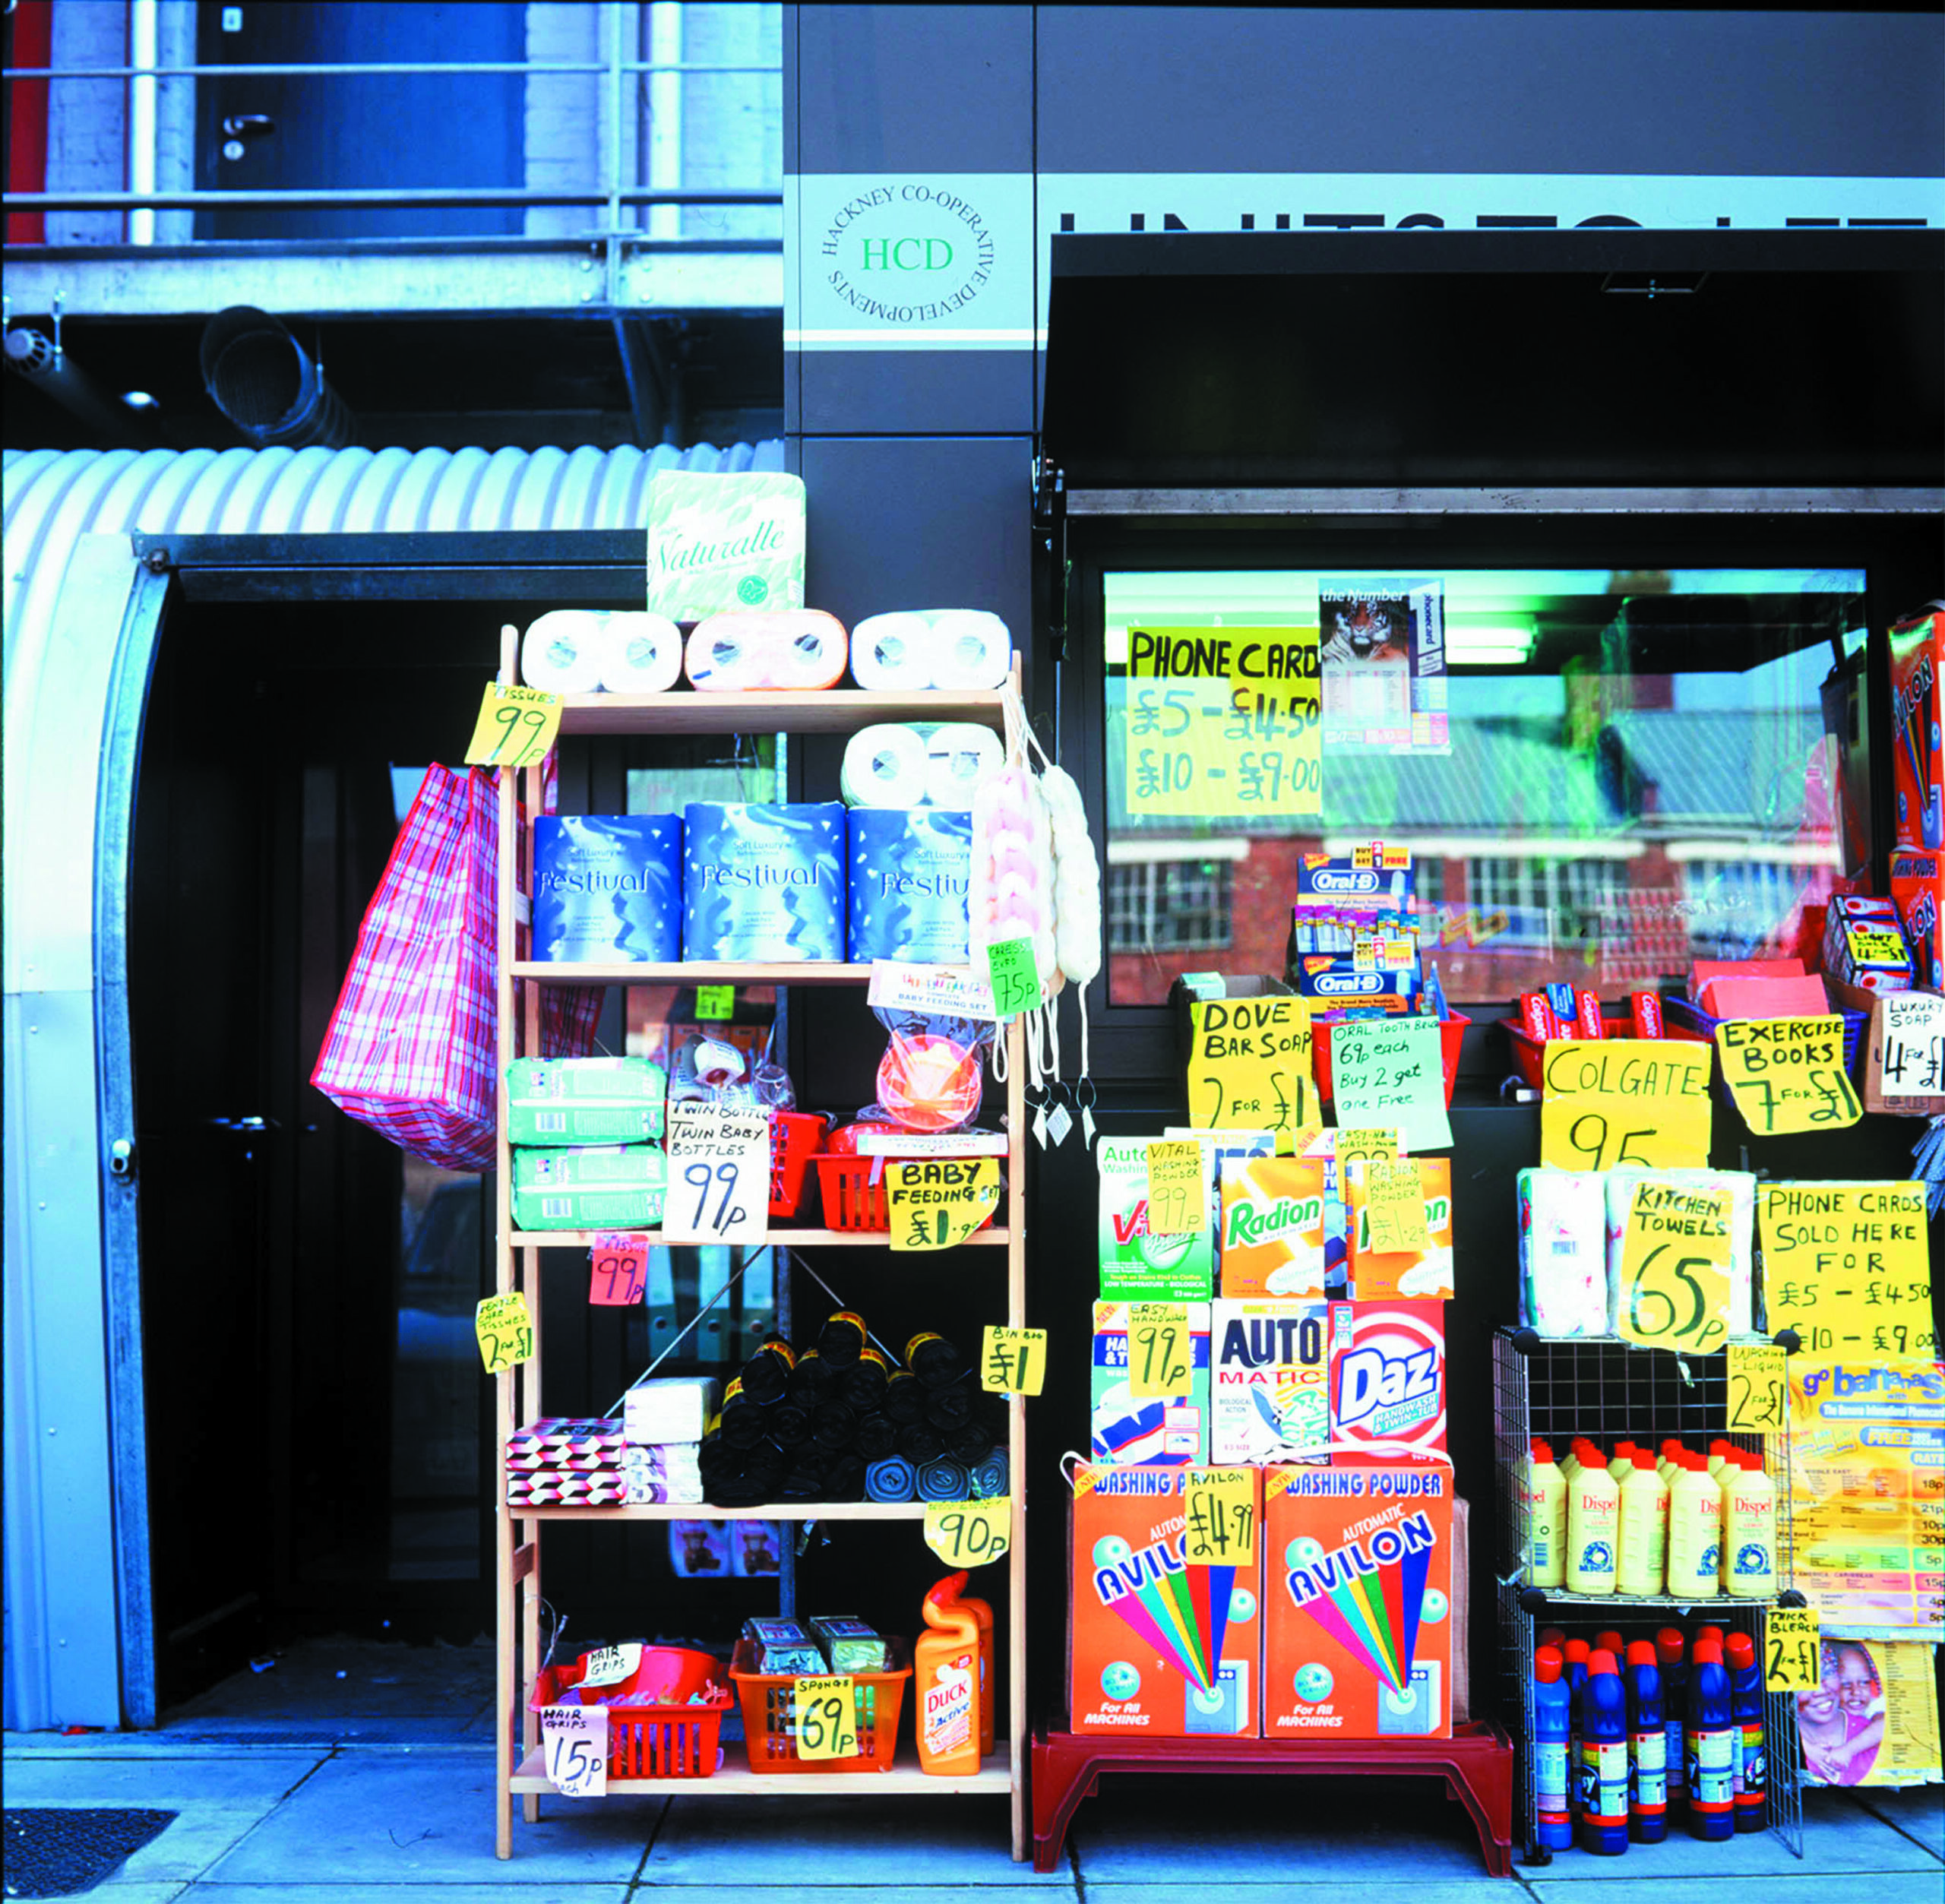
{"x":929,"y":1080}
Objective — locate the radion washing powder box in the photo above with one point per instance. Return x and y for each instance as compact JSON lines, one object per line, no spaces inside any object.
{"x":1357,"y":1589}
{"x":1426,"y":1272}
{"x":1387,"y":1377}
{"x":1150,"y":1431}
{"x":1269,"y":1382}
{"x":1271,"y":1240}
{"x":1156,"y":1647}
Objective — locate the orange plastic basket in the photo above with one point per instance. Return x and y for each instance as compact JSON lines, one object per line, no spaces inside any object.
{"x":853,"y":1200}
{"x":794,"y":1137}
{"x":652,"y":1732}
{"x":770,"y":1715}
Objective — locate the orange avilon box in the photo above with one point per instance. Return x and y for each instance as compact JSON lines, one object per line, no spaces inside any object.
{"x":1357,"y":1587}
{"x":1156,"y":1648}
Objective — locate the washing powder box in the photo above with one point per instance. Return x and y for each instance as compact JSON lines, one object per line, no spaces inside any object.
{"x":1149,"y":1432}
{"x":557,"y":1101}
{"x":1154,"y":1647}
{"x":608,"y":887}
{"x":1136,"y":1266}
{"x":614,"y":1186}
{"x":1918,"y":747}
{"x":1918,"y":892}
{"x":1269,"y":1382}
{"x":763,"y":884}
{"x":1375,"y":1275}
{"x":719,"y":542}
{"x":1357,"y":1586}
{"x":1271,"y":1240}
{"x":1387,"y":1377}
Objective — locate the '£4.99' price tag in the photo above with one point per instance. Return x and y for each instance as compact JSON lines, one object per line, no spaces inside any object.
{"x":517,"y":726}
{"x":574,"y":1739}
{"x":505,"y":1330}
{"x":1159,"y":1353}
{"x":967,"y":1533}
{"x":1218,"y":1516}
{"x":826,"y":1709}
{"x":1792,"y":1663}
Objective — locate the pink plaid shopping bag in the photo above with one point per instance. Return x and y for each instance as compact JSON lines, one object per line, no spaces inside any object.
{"x":412,"y":1044}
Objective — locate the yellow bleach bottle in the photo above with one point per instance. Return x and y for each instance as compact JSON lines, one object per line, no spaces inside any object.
{"x":1749,"y":1528}
{"x":1669,"y":1466}
{"x":1622,"y":1466}
{"x":1719,"y":1452}
{"x":1695,"y":1532}
{"x":1593,"y":1525}
{"x":1546,"y":1519}
{"x":1570,"y":1462}
{"x":1642,"y":1567}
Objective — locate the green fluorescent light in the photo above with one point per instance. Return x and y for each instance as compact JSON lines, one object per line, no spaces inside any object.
{"x":1485,"y":654}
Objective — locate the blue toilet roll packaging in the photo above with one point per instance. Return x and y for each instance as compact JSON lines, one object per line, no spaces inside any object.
{"x":764,"y":883}
{"x":608,"y":886}
{"x":910,"y":874}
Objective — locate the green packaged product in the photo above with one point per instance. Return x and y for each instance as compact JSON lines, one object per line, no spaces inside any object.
{"x":1135,"y":1265}
{"x":609,"y":1187}
{"x":558,"y":1101}
{"x":849,"y":1645}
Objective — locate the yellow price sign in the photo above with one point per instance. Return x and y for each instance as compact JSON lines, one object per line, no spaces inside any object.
{"x":1013,"y":1361}
{"x":1845,"y":1266}
{"x":1613,"y":1101}
{"x":1251,"y":1065}
{"x":1675,"y":1266}
{"x":1787,"y":1074}
{"x":1791,"y":1661}
{"x":968,"y":1533}
{"x":505,"y":1330}
{"x":516,"y":727}
{"x":935,"y":1202}
{"x":1395,"y":1206}
{"x":1367,"y":1145}
{"x":1218,"y":1517}
{"x":1178,"y":1187}
{"x":1758,"y":1388}
{"x":826,"y":1713}
{"x":1160,"y":1355}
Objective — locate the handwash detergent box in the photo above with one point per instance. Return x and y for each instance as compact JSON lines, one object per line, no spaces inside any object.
{"x":1156,"y":1647}
{"x":1357,"y":1587}
{"x":1387,"y":1378}
{"x":1148,"y":1431}
{"x":1269,"y":1382}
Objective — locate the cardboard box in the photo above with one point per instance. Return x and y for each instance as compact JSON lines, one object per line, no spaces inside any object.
{"x":1918,"y":747}
{"x":1271,"y":1240}
{"x":1147,"y":1433}
{"x":1376,"y":1276}
{"x":1387,"y":1377}
{"x":1155,"y":1647}
{"x":1269,"y":1382}
{"x":1358,"y":1626}
{"x":1136,"y":1266}
{"x":1864,"y":943}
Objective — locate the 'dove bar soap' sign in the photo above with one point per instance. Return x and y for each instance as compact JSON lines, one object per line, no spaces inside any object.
{"x":1615,"y":1100}
{"x":1250,"y":1066}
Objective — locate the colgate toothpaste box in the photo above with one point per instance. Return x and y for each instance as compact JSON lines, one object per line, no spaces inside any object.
{"x":1357,"y":1589}
{"x":1156,"y":1647}
{"x":1387,"y":1378}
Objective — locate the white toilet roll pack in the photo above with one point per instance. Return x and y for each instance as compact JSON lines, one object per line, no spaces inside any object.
{"x":586,"y":651}
{"x":916,"y":648}
{"x":932,"y":763}
{"x":781,"y":649}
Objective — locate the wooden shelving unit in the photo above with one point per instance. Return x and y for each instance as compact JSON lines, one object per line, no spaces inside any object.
{"x":518,"y":1531}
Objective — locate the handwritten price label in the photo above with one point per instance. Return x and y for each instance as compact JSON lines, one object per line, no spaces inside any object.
{"x":1251,"y":1064}
{"x":1013,"y":1361}
{"x":826,"y":1716}
{"x":1390,"y":1072}
{"x":968,"y":1533}
{"x":938,"y":1203}
{"x":1219,"y":1517}
{"x":716,"y":1002}
{"x":1625,"y":1100}
{"x":515,"y":728}
{"x":609,"y":1665}
{"x":1675,"y":1266}
{"x":1016,"y":979}
{"x":1906,"y":1068}
{"x":1159,"y":1354}
{"x":1178,"y":1189}
{"x":1367,"y":1147}
{"x":1758,"y":1376}
{"x":505,"y":1330}
{"x":618,"y":1271}
{"x":719,"y":1176}
{"x":1792,"y":1663}
{"x":574,"y":1739}
{"x":1787,"y":1074}
{"x":1395,"y":1206}
{"x":1845,"y":1266}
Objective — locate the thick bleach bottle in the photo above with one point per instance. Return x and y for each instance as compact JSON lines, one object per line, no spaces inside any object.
{"x":1670,"y":1657}
{"x":1576,"y":1681}
{"x":1603,"y":1757}
{"x":1749,"y":1528}
{"x":1695,"y":1532}
{"x":1546,"y":1519}
{"x":1647,"y":1747}
{"x":1593,"y":1524}
{"x":1752,"y":1778}
{"x":1711,"y":1742}
{"x":1643,"y":1565}
{"x":1553,"y":1818}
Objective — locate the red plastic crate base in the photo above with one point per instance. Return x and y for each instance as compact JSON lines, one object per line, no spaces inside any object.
{"x":1476,"y":1763}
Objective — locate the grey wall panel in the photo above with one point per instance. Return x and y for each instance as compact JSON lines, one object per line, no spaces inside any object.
{"x":934,"y":392}
{"x":949,"y":89}
{"x":1206,"y":89}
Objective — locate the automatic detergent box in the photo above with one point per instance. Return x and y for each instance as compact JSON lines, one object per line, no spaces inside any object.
{"x":1356,"y":1584}
{"x":1156,"y":1646}
{"x":765,"y":883}
{"x":1269,"y":1382}
{"x":1135,"y":1265}
{"x":1425,"y":1270}
{"x":1271,"y":1240}
{"x":1387,"y":1378}
{"x":1153,"y":1431}
{"x":556,"y":1101}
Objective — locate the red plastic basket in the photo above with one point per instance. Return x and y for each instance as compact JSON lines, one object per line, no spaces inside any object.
{"x":770,"y":1715}
{"x":794,"y":1137}
{"x":1530,"y":1053}
{"x":1451,"y":1035}
{"x":853,"y":1201}
{"x":653,"y":1732}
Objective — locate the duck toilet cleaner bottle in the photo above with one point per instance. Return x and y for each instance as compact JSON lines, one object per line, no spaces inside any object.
{"x":1603,"y":1757}
{"x":1752,"y":1781}
{"x":1713,"y":1742}
{"x":983,"y":1611}
{"x":1669,"y":1658}
{"x":1647,"y":1747}
{"x":1593,"y":1525}
{"x":1576,"y":1669}
{"x":945,"y":1682}
{"x":1553,"y":1822}
{"x":1546,"y":1520}
{"x":1749,"y":1527}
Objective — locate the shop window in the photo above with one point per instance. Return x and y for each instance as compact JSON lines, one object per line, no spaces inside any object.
{"x":1167,"y":905}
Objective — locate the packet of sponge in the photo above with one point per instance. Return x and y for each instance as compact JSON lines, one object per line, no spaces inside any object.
{"x":849,"y":1644}
{"x":783,"y":1646}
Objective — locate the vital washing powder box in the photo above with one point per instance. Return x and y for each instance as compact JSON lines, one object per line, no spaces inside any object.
{"x":1151,"y":1431}
{"x":1269,"y":1382}
{"x":1357,"y":1586}
{"x":1156,"y":1647}
{"x":1136,"y":1266}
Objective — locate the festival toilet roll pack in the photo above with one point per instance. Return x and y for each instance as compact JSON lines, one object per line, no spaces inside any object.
{"x":763,"y":882}
{"x":773,"y":650}
{"x":916,"y":648}
{"x":586,"y":651}
{"x":608,"y":886}
{"x":932,"y":763}
{"x":909,"y":875}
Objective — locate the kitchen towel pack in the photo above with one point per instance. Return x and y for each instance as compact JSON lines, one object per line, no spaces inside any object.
{"x":909,"y":876}
{"x":1563,"y":1252}
{"x":914,"y":649}
{"x":764,"y":883}
{"x":608,"y":886}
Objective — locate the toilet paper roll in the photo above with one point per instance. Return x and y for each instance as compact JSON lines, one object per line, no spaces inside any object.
{"x":640,"y":653}
{"x":908,"y":876}
{"x":757,"y":649}
{"x":561,"y":652}
{"x":888,"y":765}
{"x":914,"y":649}
{"x":608,"y":886}
{"x":763,"y":882}
{"x":971,"y":649}
{"x":961,"y":757}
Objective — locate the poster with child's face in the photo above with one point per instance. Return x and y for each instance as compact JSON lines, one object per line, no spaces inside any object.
{"x":1874,"y":1718}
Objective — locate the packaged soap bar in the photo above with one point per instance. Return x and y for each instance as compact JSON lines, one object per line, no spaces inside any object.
{"x":783,"y":1646}
{"x":763,"y":884}
{"x":1272,"y":1237}
{"x":1269,"y":1382}
{"x":619,"y":1187}
{"x":909,"y":873}
{"x":556,"y":1101}
{"x":1135,"y":1265}
{"x":1375,"y":1276}
{"x":849,"y":1645}
{"x":1149,"y":1432}
{"x":608,"y":886}
{"x":1563,"y":1251}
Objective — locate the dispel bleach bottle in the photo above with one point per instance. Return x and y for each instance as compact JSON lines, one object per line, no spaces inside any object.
{"x":1647,"y":1747}
{"x":1553,"y":1819}
{"x":1752,"y":1781}
{"x":1713,"y":1742}
{"x":1603,"y":1757}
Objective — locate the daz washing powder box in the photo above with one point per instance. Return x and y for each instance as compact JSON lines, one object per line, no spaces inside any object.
{"x":1272,"y":1238}
{"x":1269,"y":1382}
{"x":1387,"y":1377}
{"x":1357,"y":1586}
{"x":1149,"y":1432}
{"x":1136,"y":1266}
{"x":1157,"y":1647}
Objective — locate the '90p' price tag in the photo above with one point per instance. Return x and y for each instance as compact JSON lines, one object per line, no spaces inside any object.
{"x":826,"y":1716}
{"x":1219,"y":1512}
{"x":967,"y":1533}
{"x":1792,"y":1662}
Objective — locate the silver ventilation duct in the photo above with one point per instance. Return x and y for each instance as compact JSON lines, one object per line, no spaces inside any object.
{"x":268,"y":385}
{"x":38,"y":359}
